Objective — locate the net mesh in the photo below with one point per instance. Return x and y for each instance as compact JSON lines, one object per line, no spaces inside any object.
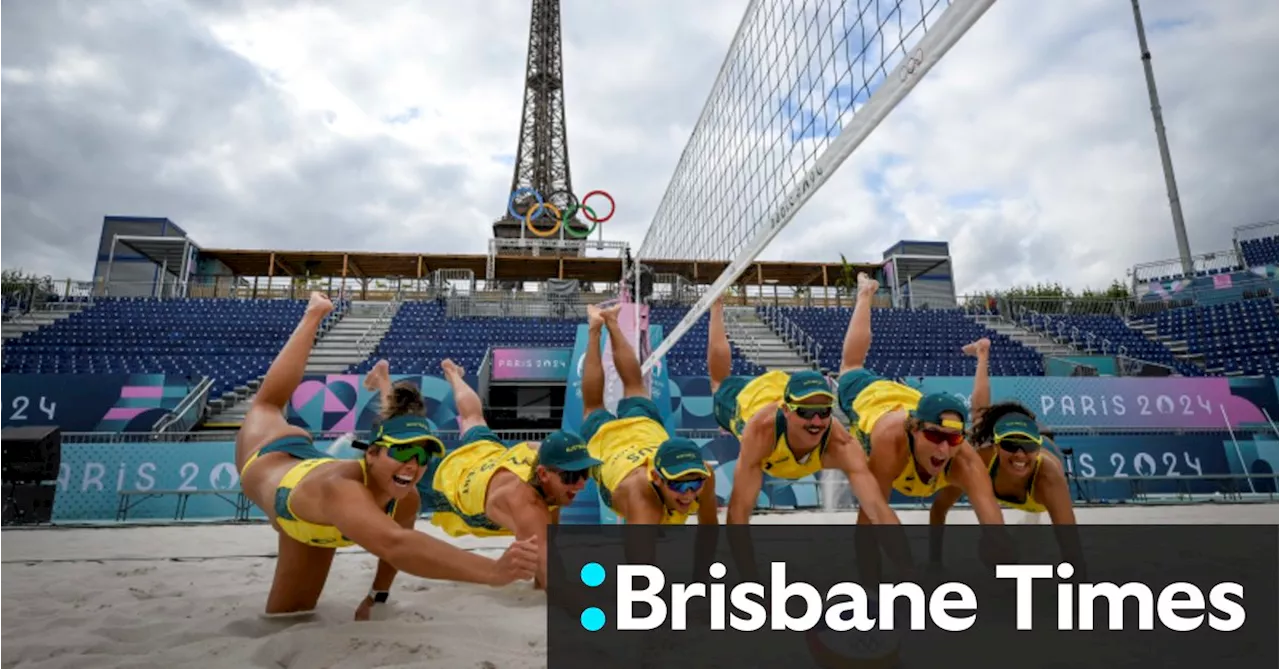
{"x":804,"y":82}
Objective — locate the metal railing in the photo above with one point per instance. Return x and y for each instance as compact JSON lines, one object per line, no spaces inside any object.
{"x":182,"y":416}
{"x":368,"y":341}
{"x":793,"y":334}
{"x":1069,"y":335}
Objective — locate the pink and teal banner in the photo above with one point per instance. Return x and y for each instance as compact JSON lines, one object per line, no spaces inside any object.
{"x":530,"y":364}
{"x":1130,"y":403}
{"x":92,"y":402}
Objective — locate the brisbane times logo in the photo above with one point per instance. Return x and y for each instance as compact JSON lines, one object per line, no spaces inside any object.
{"x":646,"y":600}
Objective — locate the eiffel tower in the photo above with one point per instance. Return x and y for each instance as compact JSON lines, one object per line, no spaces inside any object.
{"x":542,"y":155}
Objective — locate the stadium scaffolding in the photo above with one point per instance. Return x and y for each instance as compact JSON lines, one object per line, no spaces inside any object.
{"x":251,"y":264}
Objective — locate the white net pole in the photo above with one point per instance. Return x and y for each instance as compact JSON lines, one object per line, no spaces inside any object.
{"x":757,"y":155}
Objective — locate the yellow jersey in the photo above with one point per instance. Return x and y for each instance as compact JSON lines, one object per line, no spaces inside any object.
{"x":622,"y":445}
{"x":781,"y":463}
{"x":462,"y":482}
{"x":312,"y":534}
{"x":1028,"y":503}
{"x":909,"y":482}
{"x":878,"y":399}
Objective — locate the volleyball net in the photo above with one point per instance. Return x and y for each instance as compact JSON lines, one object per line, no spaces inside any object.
{"x":803,"y":84}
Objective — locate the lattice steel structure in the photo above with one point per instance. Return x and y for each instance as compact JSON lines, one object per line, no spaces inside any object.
{"x":803,"y":84}
{"x":542,"y":155}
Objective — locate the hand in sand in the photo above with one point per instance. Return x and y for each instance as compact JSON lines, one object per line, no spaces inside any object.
{"x":518,"y":563}
{"x":365,"y":608}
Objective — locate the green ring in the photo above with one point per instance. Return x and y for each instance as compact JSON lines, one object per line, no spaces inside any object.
{"x":568,"y":230}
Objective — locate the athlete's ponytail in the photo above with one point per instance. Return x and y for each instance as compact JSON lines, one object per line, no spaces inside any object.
{"x":404,"y":400}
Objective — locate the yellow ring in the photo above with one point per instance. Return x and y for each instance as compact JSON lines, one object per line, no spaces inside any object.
{"x":528,"y":220}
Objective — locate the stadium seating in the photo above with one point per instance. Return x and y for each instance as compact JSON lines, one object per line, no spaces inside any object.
{"x":1113,"y":329}
{"x":422,"y":335}
{"x":908,"y":343}
{"x":1260,"y":251}
{"x":231,"y":341}
{"x":689,"y":356}
{"x":1236,"y":338}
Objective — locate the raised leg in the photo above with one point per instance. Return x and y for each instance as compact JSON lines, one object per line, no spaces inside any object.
{"x":593,"y":364}
{"x":719,"y":352}
{"x":470,"y":410}
{"x":624,"y":357}
{"x":265,"y":419}
{"x":857,"y":338}
{"x":981,"y":399}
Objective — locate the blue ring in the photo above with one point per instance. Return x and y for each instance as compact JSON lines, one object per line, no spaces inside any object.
{"x":511,"y":203}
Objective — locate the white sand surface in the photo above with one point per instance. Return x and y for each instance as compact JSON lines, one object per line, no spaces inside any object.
{"x":168,"y":596}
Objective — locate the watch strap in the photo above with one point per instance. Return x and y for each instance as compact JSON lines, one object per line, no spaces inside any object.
{"x":379,"y":596}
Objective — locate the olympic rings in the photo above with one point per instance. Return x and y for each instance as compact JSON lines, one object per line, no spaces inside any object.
{"x":563,"y":213}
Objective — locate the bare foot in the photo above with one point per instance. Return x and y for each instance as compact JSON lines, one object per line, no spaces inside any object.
{"x":595,"y":317}
{"x":867,"y":286}
{"x":451,"y":368}
{"x":978,"y":348}
{"x":380,"y":373}
{"x":320,"y":304}
{"x":611,"y":314}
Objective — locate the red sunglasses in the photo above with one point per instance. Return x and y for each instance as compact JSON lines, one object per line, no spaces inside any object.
{"x":940,"y":437}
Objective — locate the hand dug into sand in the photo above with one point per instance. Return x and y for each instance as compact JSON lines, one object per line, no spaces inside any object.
{"x":518,"y":563}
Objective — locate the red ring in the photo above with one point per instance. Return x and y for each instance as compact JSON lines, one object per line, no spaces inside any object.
{"x":590,"y":216}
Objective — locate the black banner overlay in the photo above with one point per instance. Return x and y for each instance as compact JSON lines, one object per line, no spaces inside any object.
{"x":796,"y":596}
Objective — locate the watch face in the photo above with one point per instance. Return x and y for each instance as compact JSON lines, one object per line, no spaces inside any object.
{"x":381,"y":597}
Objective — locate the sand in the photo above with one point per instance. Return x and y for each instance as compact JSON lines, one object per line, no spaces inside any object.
{"x":162,"y":596}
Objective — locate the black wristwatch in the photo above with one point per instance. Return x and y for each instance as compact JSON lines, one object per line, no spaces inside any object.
{"x":379,"y":596}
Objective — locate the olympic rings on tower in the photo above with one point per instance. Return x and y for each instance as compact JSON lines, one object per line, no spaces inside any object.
{"x":563,"y":212}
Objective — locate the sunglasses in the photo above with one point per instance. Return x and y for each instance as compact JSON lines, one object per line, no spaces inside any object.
{"x":689,"y":485}
{"x":808,"y":412}
{"x":407,"y":452}
{"x":571,"y":477}
{"x":1013,"y":445}
{"x":940,"y":437}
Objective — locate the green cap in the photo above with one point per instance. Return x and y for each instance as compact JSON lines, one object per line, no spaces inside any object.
{"x":679,"y":456}
{"x":933,"y":405}
{"x":806,"y":385}
{"x":1017,"y":425}
{"x":565,"y":451}
{"x":402,"y":430}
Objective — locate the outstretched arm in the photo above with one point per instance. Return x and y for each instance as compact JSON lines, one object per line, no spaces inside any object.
{"x":350,"y":507}
{"x":969,"y":473}
{"x":1054,"y":492}
{"x":942,"y":503}
{"x":708,"y":526}
{"x":845,"y":453}
{"x":518,"y":508}
{"x":406,"y":513}
{"x":748,"y":474}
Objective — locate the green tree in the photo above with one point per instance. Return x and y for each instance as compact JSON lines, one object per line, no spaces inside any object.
{"x":20,"y":286}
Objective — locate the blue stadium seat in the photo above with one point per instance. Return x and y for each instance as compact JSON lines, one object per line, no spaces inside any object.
{"x":1114,"y":330}
{"x":422,"y":335}
{"x":908,"y":343}
{"x":1261,"y":251}
{"x":231,"y":341}
{"x":1236,"y":338}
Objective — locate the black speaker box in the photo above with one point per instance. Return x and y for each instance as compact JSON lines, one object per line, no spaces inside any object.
{"x":28,"y":503}
{"x":30,"y":454}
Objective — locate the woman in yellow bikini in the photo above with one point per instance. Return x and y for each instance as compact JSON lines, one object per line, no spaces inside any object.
{"x":1023,"y":475}
{"x":318,"y":503}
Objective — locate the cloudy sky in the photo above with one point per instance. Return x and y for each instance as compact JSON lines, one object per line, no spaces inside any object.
{"x":258,"y":124}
